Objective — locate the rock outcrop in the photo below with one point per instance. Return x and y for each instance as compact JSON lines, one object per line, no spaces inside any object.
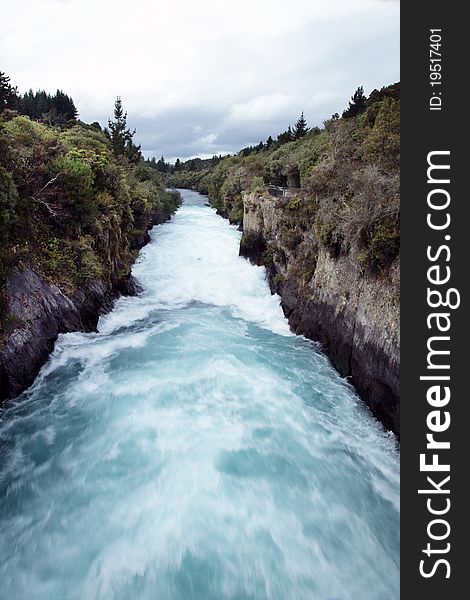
{"x":41,"y":311}
{"x":331,"y":299}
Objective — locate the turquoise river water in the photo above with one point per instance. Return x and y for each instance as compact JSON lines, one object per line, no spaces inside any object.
{"x":194,"y":448}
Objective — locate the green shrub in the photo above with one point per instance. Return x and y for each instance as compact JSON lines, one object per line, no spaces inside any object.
{"x":53,"y":255}
{"x":88,"y":139}
{"x":258,"y":186}
{"x":382,"y":145}
{"x":27,"y":149}
{"x":8,"y":203}
{"x":294,"y":203}
{"x":29,"y":134}
{"x":89,"y":266}
{"x":75,"y":183}
{"x":384,"y":245}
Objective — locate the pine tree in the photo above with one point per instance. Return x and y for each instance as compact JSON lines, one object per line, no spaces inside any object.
{"x":357,"y":105}
{"x":118,"y":129}
{"x":64,"y":105}
{"x":177,"y":165}
{"x":286,"y":136}
{"x":8,"y":94}
{"x":300,"y":128}
{"x":121,"y":136}
{"x":27,"y":104}
{"x":38,"y":105}
{"x":42,"y":104}
{"x":162,"y":166}
{"x":4,"y":89}
{"x":269,"y":142}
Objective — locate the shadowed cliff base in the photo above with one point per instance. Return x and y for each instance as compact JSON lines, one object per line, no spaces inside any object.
{"x":354,"y":316}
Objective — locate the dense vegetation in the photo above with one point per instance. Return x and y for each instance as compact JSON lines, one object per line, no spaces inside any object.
{"x":73,"y":199}
{"x":343,"y":179}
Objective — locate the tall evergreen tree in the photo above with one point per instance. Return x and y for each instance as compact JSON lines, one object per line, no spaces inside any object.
{"x":27,"y":104}
{"x":162,"y":165}
{"x":357,"y":104}
{"x":64,"y":105}
{"x":42,"y":104}
{"x":121,"y":136}
{"x":300,"y":128}
{"x":286,"y":136}
{"x":8,"y":94}
{"x":118,"y":129}
{"x":177,"y":165}
{"x":4,"y":89}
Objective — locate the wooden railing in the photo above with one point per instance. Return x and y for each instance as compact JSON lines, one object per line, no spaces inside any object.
{"x":282,"y":192}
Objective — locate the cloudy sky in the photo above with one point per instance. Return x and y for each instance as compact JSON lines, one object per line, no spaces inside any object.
{"x":202,"y":77}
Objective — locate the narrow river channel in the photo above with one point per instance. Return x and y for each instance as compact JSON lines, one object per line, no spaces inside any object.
{"x":194,"y":448}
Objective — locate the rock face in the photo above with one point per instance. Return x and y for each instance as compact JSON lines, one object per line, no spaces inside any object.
{"x":330,"y":299}
{"x":42,"y":311}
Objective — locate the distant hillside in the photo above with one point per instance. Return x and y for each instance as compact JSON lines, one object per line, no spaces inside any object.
{"x":344,"y":178}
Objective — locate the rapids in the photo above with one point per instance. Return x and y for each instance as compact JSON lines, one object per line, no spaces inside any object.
{"x":194,"y":448}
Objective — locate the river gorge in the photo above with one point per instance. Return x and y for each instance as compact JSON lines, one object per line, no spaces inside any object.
{"x":195,"y":448}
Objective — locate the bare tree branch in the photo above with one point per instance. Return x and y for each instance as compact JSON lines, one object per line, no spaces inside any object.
{"x":55,"y":212}
{"x":53,"y":180}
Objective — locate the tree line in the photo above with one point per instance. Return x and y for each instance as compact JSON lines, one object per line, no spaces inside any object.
{"x":53,"y":109}
{"x":59,"y":109}
{"x":298,"y":131}
{"x":357,"y":105}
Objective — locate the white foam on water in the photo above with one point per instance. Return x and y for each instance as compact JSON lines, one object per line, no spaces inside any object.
{"x":193,"y":449}
{"x":194,"y":258}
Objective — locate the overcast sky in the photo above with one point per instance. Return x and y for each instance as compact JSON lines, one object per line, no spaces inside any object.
{"x":202,"y":77}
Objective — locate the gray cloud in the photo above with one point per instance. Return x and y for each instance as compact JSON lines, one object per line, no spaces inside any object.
{"x":202,"y":78}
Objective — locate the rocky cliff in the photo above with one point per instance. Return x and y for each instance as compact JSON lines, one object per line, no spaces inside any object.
{"x":75,"y":207}
{"x":41,"y":310}
{"x":329,"y":297}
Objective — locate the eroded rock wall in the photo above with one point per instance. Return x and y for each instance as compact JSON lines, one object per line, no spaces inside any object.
{"x":331,"y":299}
{"x":42,"y":311}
